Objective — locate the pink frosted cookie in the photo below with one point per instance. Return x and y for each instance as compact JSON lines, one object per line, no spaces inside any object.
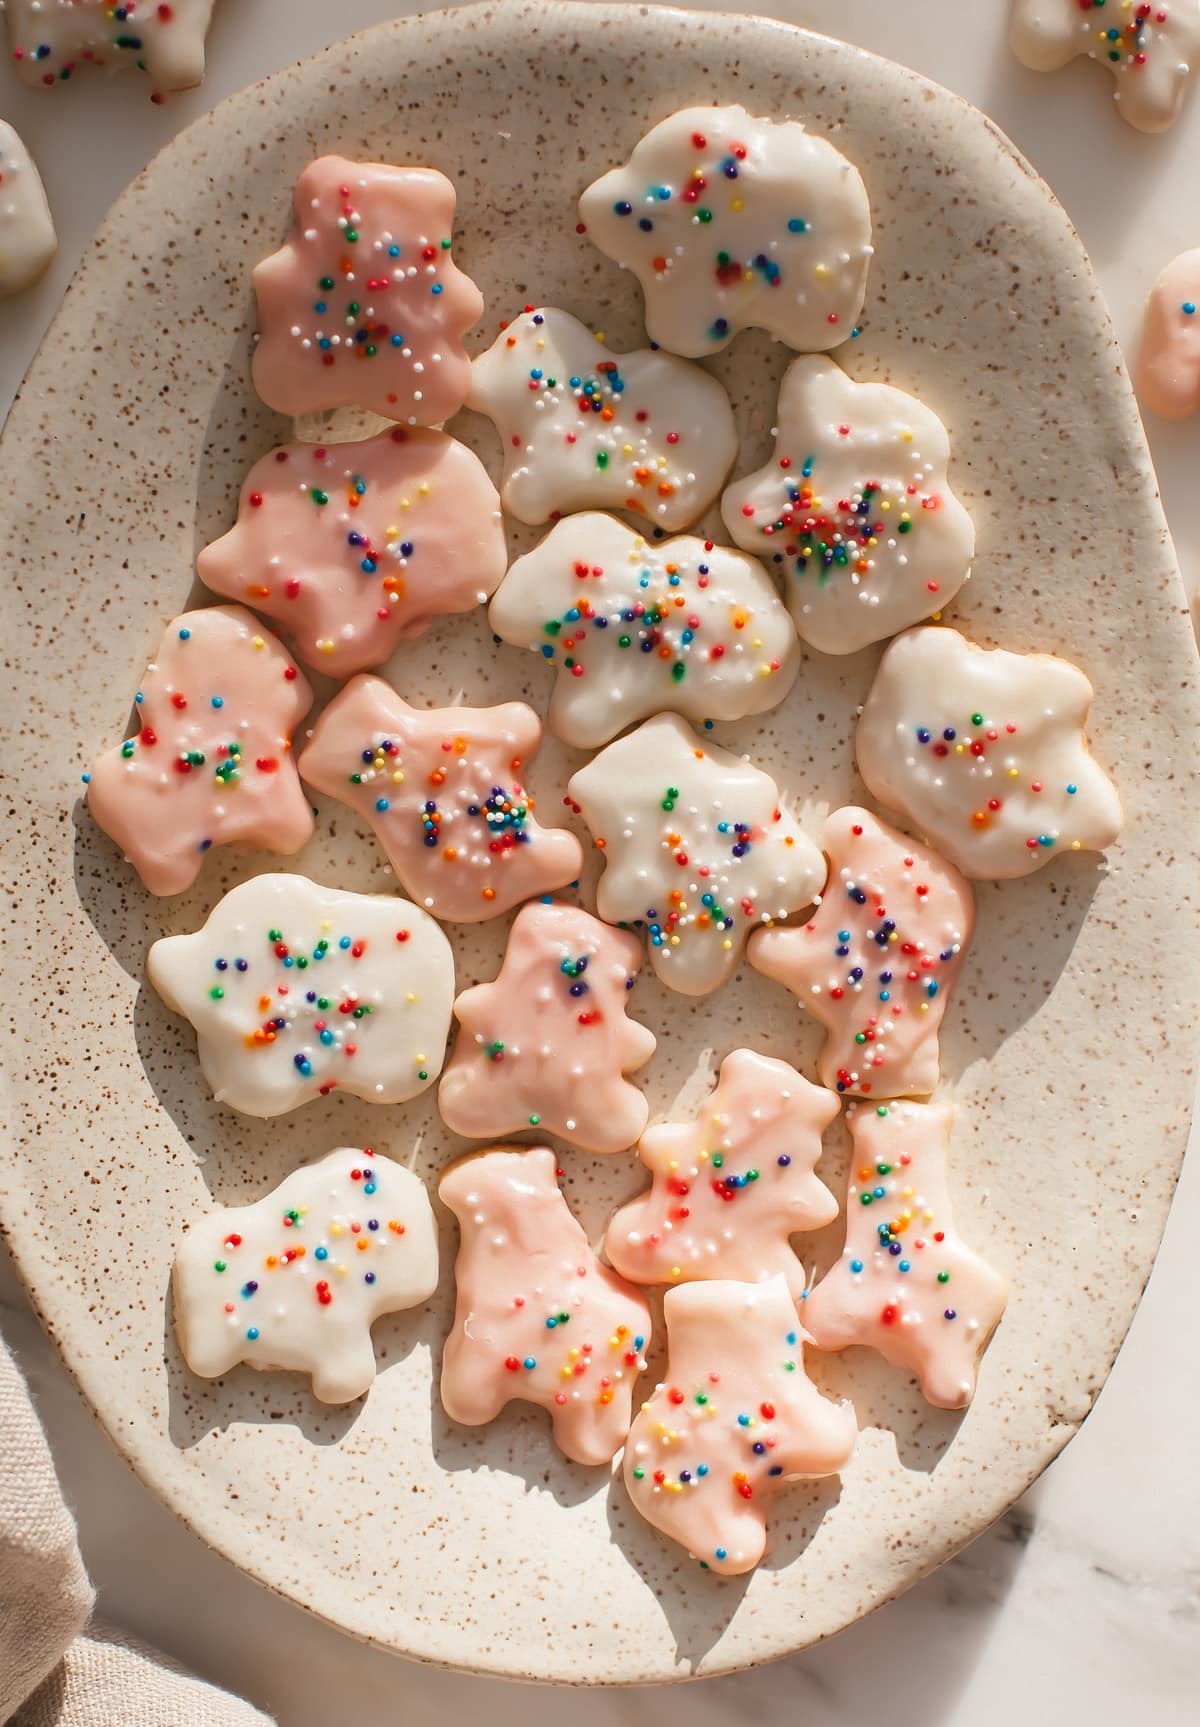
{"x":906,"y":1283}
{"x":730,"y":223}
{"x":212,"y":762}
{"x":732,"y":1185}
{"x":363,"y":303}
{"x":351,"y":548}
{"x":586,"y":429}
{"x":442,"y":790}
{"x":735,"y":1419}
{"x":1168,"y":373}
{"x":539,"y":1318}
{"x":985,"y":752}
{"x":548,"y":1043}
{"x":1151,"y":47}
{"x":696,"y":847}
{"x":51,"y":39}
{"x":631,"y":627}
{"x":879,"y":958}
{"x":297,"y":1280}
{"x":854,"y":509}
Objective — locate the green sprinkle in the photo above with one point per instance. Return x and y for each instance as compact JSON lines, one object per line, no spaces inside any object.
{"x":217,"y":993}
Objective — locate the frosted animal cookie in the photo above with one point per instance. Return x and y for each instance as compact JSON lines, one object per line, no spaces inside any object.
{"x":297,"y":1280}
{"x":879,"y":958}
{"x":27,"y":237}
{"x":985,"y":752}
{"x":734,"y":1420}
{"x":538,"y":1317}
{"x":854,"y":508}
{"x":731,"y":222}
{"x":632,"y":627}
{"x":906,"y":1284}
{"x":547,"y":1044}
{"x":296,"y":990}
{"x":212,"y":762}
{"x":352,"y":548}
{"x":1151,"y":49}
{"x":586,"y":429}
{"x":442,"y":790}
{"x":731,"y":1186}
{"x":1168,"y":373}
{"x":696,"y":848}
{"x":51,"y":39}
{"x":363,"y":303}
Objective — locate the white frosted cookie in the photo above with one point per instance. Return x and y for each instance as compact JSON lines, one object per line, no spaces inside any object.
{"x":854,"y":509}
{"x":735,"y":1418}
{"x":297,"y":1280}
{"x":296,"y":990}
{"x":1168,"y":371}
{"x":696,"y":849}
{"x":586,"y":429}
{"x":1151,"y":49}
{"x":53,"y":39}
{"x":731,"y":1185}
{"x":631,"y":627}
{"x":731,"y":222}
{"x":906,"y":1283}
{"x":985,"y":752}
{"x":27,"y":237}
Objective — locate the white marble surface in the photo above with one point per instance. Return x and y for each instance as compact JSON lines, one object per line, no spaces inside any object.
{"x":1083,"y":1604}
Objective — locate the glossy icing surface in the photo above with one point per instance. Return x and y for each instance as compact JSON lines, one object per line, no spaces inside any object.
{"x":734,"y":1420}
{"x":52,"y":39}
{"x":730,"y":1186}
{"x":631,"y":627}
{"x":854,"y":509}
{"x":548,"y":1043}
{"x":538,"y":1318}
{"x":906,"y":1283}
{"x":363,"y":304}
{"x":211,"y":763}
{"x":586,"y":429}
{"x":350,"y":548}
{"x":1150,"y":46}
{"x":731,"y":222}
{"x":696,"y":848}
{"x":297,"y":990}
{"x":1168,"y":368}
{"x":985,"y":752}
{"x":297,"y":1280}
{"x":878,"y":960}
{"x":27,"y":237}
{"x":442,"y":790}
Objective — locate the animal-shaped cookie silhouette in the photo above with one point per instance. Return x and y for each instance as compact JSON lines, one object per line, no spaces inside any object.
{"x":442,"y":789}
{"x":297,"y":990}
{"x":51,"y":40}
{"x":985,"y":752}
{"x":906,"y":1283}
{"x":1168,"y":371}
{"x":731,"y":222}
{"x":878,"y":960}
{"x":734,"y":1420}
{"x":697,"y":849}
{"x":538,"y":1318}
{"x":363,"y":303}
{"x":27,"y":237}
{"x":854,"y":509}
{"x":1150,"y":46}
{"x":212,"y":762}
{"x":631,"y":627}
{"x":548,"y":1043}
{"x":731,"y":1185}
{"x":351,"y":548}
{"x":297,"y":1279}
{"x":586,"y":429}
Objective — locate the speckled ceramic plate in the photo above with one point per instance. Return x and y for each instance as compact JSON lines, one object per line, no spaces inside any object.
{"x":1070,"y":1043}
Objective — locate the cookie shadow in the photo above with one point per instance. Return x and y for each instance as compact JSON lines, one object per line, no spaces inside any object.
{"x":888,"y":1398}
{"x":240,"y":429}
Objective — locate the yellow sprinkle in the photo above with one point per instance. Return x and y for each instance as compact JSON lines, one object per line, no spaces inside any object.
{"x":599,"y":334}
{"x":1014,"y":773}
{"x":906,"y":434}
{"x":411,"y":996}
{"x":393,"y":533}
{"x":424,"y":488}
{"x":398,"y":776}
{"x":337,"y":1229}
{"x":735,"y":204}
{"x":675,"y":1272}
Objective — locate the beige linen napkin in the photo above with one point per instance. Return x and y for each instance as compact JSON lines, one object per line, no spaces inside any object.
{"x":55,"y":1669}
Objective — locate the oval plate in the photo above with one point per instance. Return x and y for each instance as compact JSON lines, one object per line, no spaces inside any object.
{"x":1069,"y":1046}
